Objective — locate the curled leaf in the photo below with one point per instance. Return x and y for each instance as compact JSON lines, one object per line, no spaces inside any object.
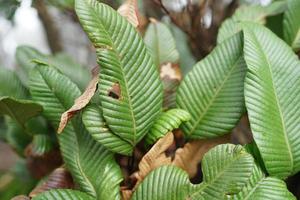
{"x":129,"y":10}
{"x":58,"y":179}
{"x":40,"y":145}
{"x":80,"y":102}
{"x":188,"y":157}
{"x":166,"y":122}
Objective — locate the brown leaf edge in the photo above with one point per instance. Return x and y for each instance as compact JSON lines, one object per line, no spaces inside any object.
{"x":60,"y":178}
{"x":129,"y":10}
{"x":81,"y":101}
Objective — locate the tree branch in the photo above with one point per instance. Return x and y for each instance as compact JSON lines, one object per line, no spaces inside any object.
{"x":52,"y":32}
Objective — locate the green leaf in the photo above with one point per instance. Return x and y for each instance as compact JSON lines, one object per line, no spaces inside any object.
{"x":94,"y":122}
{"x":253,"y":13}
{"x":19,"y":110}
{"x":272,"y":95}
{"x":166,"y":122}
{"x":213,"y":91}
{"x":291,"y":24}
{"x":92,"y":166}
{"x":161,"y":43}
{"x":166,"y":182}
{"x":260,"y":187}
{"x":25,"y":56}
{"x":10,"y":85}
{"x":76,"y":72}
{"x":187,"y":60}
{"x":16,"y":137}
{"x":63,"y":194}
{"x":226,"y":169}
{"x":15,"y":181}
{"x":130,"y":89}
{"x":41,"y":144}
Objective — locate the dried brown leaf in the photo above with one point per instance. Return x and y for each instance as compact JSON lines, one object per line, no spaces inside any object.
{"x":126,"y":194}
{"x":40,"y":166}
{"x":171,"y":76}
{"x":188,"y":157}
{"x":80,"y":102}
{"x":170,"y":70}
{"x":129,"y":10}
{"x":58,"y":179}
{"x":155,"y":157}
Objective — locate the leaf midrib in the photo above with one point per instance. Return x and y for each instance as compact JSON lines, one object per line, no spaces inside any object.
{"x":121,"y":69}
{"x":277,"y":101}
{"x":215,"y":96}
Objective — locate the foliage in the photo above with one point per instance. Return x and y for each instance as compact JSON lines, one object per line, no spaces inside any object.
{"x":151,"y":126}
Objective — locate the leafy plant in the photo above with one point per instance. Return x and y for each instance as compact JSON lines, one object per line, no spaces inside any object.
{"x":151,"y":126}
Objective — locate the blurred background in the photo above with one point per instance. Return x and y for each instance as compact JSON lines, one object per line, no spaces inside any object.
{"x":50,"y":28}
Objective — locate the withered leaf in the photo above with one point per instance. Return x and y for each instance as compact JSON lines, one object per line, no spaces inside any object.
{"x":115,"y":91}
{"x":188,"y":157}
{"x":58,"y":179}
{"x":39,"y":166}
{"x":81,"y":101}
{"x":155,"y":157}
{"x":170,"y":70}
{"x":129,"y":10}
{"x":126,"y":194}
{"x":171,"y":76}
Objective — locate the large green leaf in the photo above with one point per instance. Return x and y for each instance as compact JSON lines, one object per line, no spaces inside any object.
{"x":10,"y":85}
{"x":291,"y":24}
{"x":167,"y":182}
{"x":254,"y":13}
{"x":162,"y":46}
{"x":25,"y":56}
{"x":130,"y":89}
{"x":213,"y":91}
{"x":260,"y":187}
{"x":226,"y":170}
{"x":92,"y":166}
{"x":19,"y":110}
{"x":95,"y":124}
{"x":63,"y":194}
{"x":166,"y":122}
{"x":272,"y":95}
{"x":161,"y":43}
